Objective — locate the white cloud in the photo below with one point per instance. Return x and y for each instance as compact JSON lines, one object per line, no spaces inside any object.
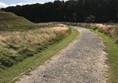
{"x":24,"y":2}
{"x":3,"y":5}
{"x":42,"y":1}
{"x":21,"y":4}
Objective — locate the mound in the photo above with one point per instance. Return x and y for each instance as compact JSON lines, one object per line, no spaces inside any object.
{"x":9,"y":21}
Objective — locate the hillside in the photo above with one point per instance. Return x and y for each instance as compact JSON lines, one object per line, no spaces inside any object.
{"x":9,"y":21}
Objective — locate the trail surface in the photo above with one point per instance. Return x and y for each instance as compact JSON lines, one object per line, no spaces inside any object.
{"x":82,"y":61}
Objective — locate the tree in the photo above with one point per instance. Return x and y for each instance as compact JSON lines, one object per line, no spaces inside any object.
{"x":71,"y":10}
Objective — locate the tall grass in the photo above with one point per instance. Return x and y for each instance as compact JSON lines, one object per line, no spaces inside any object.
{"x":108,"y":29}
{"x":17,"y":45}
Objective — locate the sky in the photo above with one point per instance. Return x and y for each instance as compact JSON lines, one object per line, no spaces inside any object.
{"x":6,"y":3}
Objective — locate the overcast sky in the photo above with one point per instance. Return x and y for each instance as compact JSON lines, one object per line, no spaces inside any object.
{"x":5,"y":3}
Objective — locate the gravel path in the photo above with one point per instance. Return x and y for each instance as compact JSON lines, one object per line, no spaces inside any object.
{"x":82,"y":61}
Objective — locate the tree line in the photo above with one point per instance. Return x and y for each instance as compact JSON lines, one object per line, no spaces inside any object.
{"x":71,"y":10}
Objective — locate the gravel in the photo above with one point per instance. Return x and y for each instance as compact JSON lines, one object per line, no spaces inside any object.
{"x":82,"y":61}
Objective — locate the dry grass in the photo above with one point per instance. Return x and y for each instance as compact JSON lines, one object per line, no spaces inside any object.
{"x":33,"y":36}
{"x":16,"y":46}
{"x":108,"y":29}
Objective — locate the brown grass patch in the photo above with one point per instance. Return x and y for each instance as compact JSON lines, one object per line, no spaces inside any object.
{"x":18,"y":45}
{"x":109,"y":29}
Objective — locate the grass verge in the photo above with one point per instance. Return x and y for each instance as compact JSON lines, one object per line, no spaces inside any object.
{"x":112,"y":50}
{"x":7,"y":76}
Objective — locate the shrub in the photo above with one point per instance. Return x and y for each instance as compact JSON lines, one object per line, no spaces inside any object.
{"x":90,"y":19}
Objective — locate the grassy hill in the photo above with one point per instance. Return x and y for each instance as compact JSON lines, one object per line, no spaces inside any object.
{"x":9,"y":21}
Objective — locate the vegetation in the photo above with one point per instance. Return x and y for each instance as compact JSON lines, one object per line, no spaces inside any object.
{"x":71,"y":10}
{"x":9,"y":21}
{"x":24,"y":44}
{"x":90,"y":19}
{"x":108,"y":29}
{"x":16,"y":46}
{"x":20,"y":68}
{"x":111,"y":48}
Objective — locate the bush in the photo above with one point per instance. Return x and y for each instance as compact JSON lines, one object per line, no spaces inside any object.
{"x":90,"y":19}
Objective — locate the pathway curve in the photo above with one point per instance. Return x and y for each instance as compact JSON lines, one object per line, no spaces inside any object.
{"x":82,"y":61}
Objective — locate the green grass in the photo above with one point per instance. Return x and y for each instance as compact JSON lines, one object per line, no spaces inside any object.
{"x":9,"y":21}
{"x":12,"y":22}
{"x":23,"y":67}
{"x":112,"y":50}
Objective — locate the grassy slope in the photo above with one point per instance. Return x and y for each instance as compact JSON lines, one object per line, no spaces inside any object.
{"x":112,"y":50}
{"x":37,"y":59}
{"x":9,"y":21}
